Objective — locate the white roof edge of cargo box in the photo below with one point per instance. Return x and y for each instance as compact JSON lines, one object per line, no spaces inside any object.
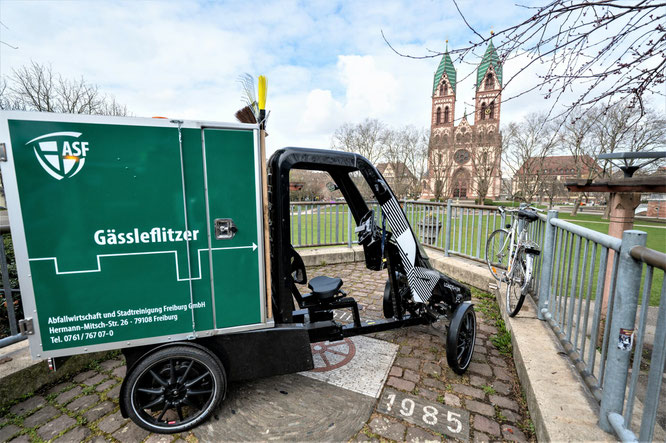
{"x":116,"y":120}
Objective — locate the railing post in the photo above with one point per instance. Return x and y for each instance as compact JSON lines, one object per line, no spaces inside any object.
{"x":447,"y":233}
{"x":627,"y":286}
{"x":7,"y":288}
{"x":349,"y":227}
{"x":548,"y":253}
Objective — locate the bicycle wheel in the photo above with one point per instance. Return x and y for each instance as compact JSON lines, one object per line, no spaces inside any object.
{"x":497,"y":252}
{"x":515,"y":294}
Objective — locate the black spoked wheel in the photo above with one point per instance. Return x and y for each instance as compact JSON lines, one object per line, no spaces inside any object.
{"x":515,"y":290}
{"x":174,"y":389}
{"x":497,"y":252}
{"x":461,"y":337}
{"x":388,"y":301}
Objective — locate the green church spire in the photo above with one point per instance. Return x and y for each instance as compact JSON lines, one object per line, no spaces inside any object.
{"x":445,"y":65}
{"x":489,"y":58}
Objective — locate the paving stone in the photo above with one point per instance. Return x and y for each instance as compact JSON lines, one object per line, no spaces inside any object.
{"x":412,"y":376}
{"x":405,"y":350}
{"x":8,"y":431}
{"x":423,"y":354}
{"x":480,"y":437}
{"x":488,"y":329}
{"x":468,"y":390}
{"x":480,"y":349}
{"x":25,"y":438}
{"x":55,"y":427}
{"x":92,"y":381}
{"x":42,"y":416}
{"x":502,"y":374}
{"x":486,"y":425}
{"x":83,"y":403}
{"x":111,"y":423}
{"x":98,"y":411}
{"x":57,"y":389}
{"x":395,"y":372}
{"x":69,"y":395}
{"x":79,"y":433}
{"x":477,"y":381}
{"x":501,"y":388}
{"x":130,"y":433}
{"x":387,"y":429}
{"x":452,"y":400}
{"x":481,"y":368}
{"x":111,"y":364}
{"x":431,"y":368}
{"x":120,"y":371}
{"x":479,"y":358}
{"x":114,"y":393}
{"x":408,"y":363}
{"x":434,"y":383}
{"x":428,"y":394}
{"x":418,"y":435}
{"x":28,"y":405}
{"x":510,"y":415}
{"x":401,"y":384}
{"x":99,"y":439}
{"x":84,"y":376}
{"x":512,"y":433}
{"x":3,"y":421}
{"x":106,"y":385}
{"x":504,"y":402}
{"x":497,"y":361}
{"x":481,"y":408}
{"x":161,"y":438}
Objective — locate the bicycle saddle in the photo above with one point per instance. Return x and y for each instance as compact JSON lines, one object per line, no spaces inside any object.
{"x":324,"y":287}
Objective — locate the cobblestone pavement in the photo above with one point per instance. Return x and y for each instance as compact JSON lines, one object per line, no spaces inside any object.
{"x":86,"y":408}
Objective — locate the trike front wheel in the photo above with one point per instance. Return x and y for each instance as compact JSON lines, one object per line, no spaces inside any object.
{"x":461,"y":337}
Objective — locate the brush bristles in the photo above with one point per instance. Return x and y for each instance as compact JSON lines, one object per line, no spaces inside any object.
{"x":246,"y":115}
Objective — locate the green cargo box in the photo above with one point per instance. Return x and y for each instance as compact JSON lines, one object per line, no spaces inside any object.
{"x":133,"y":231}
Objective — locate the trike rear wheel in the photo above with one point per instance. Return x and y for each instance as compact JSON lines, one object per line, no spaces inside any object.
{"x":461,"y":337}
{"x":174,"y":389}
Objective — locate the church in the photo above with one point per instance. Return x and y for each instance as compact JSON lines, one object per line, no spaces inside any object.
{"x":464,"y":158}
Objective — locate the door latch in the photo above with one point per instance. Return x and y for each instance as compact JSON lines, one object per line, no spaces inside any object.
{"x":225,"y":228}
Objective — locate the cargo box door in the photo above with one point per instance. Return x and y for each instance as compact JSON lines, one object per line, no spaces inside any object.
{"x":235,"y":219}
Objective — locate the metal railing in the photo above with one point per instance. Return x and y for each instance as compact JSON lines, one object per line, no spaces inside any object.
{"x":8,"y":296}
{"x":589,"y":294}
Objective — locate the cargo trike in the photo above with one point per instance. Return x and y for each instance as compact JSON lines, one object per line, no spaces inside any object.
{"x":147,"y":235}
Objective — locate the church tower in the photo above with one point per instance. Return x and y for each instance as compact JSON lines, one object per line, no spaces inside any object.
{"x":488,"y":89}
{"x":464,"y":159}
{"x":444,"y":94}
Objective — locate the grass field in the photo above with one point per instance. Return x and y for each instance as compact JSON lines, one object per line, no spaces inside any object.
{"x":469,"y":232}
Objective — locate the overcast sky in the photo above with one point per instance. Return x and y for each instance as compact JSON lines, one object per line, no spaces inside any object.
{"x":325,"y":61}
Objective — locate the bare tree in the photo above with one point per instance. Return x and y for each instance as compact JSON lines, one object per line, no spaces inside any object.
{"x":526,"y":145}
{"x":36,"y":87}
{"x":365,"y":138}
{"x":438,"y":169}
{"x":551,"y":187}
{"x":416,"y":145}
{"x":613,"y":48}
{"x":485,"y":167}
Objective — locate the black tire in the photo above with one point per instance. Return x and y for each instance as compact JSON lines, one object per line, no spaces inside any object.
{"x":388,"y":302}
{"x":497,"y":252}
{"x":461,"y":337}
{"x":174,"y":389}
{"x":515,"y":290}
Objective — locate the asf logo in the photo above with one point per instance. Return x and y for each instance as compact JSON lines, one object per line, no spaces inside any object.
{"x":61,"y":154}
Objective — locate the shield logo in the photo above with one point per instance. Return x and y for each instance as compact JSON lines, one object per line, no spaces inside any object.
{"x":60,"y":154}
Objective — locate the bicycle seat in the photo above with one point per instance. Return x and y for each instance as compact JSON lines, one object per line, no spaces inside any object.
{"x":324,"y":287}
{"x":529,"y":215}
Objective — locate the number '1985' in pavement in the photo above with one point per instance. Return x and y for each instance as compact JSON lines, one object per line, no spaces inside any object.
{"x":443,"y":419}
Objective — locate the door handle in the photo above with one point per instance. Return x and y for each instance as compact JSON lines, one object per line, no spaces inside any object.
{"x":225,"y":228}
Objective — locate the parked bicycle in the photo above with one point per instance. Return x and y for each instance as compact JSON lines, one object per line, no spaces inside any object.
{"x":510,"y":255}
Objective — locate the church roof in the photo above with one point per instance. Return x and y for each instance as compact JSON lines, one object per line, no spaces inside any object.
{"x":489,"y":58}
{"x":445,"y":65}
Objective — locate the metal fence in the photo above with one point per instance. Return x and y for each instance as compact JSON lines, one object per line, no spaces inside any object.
{"x":589,"y":294}
{"x":10,"y":301}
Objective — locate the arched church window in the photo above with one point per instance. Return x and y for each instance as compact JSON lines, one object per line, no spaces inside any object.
{"x":446,"y":114}
{"x":491,"y":114}
{"x":441,"y":89}
{"x":489,"y":81}
{"x":483,"y":111}
{"x":438,"y":119}
{"x":446,"y":88}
